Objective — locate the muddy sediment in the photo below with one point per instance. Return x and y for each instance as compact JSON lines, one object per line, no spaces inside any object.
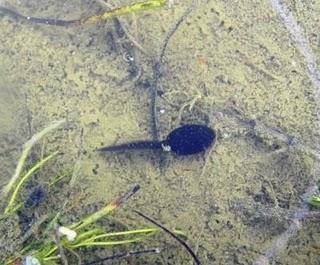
{"x":232,"y":201}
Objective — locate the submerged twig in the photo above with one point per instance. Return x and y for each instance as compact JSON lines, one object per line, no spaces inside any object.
{"x":124,"y":28}
{"x":62,"y":256}
{"x":157,"y":74}
{"x":137,"y":7}
{"x":154,"y":96}
{"x":73,"y":252}
{"x":173,"y":31}
{"x":34,"y":229}
{"x":184,"y":244}
{"x":107,"y":209}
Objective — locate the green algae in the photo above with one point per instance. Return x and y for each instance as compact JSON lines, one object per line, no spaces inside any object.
{"x":237,"y":55}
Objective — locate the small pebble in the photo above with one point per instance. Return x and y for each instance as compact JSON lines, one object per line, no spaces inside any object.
{"x":69,"y":233}
{"x":31,"y":261}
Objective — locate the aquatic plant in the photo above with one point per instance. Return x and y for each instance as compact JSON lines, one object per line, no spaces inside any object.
{"x":49,"y":249}
{"x":81,"y":234}
{"x":54,"y":239}
{"x":314,"y":200}
{"x":127,"y":9}
{"x":75,"y":236}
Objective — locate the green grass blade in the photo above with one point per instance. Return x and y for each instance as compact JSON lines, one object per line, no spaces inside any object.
{"x":129,"y":232}
{"x":128,"y":9}
{"x":314,"y":201}
{"x":27,"y":147}
{"x":107,"y":243}
{"x":38,"y":165}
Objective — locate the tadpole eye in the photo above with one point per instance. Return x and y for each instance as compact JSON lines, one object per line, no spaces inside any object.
{"x":190,"y":139}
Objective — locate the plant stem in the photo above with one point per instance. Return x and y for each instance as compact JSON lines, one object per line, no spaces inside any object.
{"x":10,"y":205}
{"x":27,"y":147}
{"x":106,"y":210}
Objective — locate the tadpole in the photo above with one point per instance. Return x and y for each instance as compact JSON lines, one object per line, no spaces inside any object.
{"x":188,"y":139}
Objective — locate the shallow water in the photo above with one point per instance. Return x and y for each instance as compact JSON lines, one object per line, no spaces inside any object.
{"x":226,"y":64}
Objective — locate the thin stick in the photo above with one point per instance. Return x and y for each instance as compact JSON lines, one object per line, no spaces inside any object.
{"x":33,"y":230}
{"x":128,"y":9}
{"x":124,"y":28}
{"x":157,"y":75}
{"x":105,"y":210}
{"x":27,"y":147}
{"x":62,"y":255}
{"x":184,"y":244}
{"x":76,"y":255}
{"x":173,"y":31}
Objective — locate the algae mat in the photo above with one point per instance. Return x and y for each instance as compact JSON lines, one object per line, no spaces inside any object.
{"x":227,"y":59}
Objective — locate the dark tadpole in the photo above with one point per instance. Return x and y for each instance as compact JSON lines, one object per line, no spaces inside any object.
{"x":37,"y":196}
{"x":186,"y":140}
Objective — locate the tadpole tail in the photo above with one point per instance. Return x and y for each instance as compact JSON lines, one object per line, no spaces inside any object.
{"x":139,"y":145}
